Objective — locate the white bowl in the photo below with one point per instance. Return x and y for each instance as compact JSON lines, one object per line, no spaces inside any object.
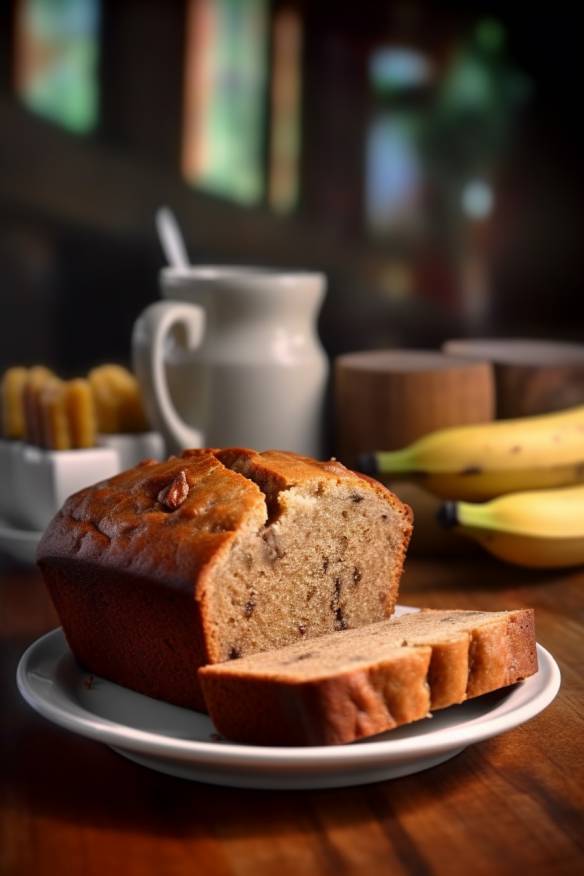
{"x":34,"y":482}
{"x":10,"y":452}
{"x":45,"y":478}
{"x":133,"y":448}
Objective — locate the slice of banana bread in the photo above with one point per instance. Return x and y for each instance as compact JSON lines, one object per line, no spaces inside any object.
{"x":215,"y":555}
{"x":343,"y":687}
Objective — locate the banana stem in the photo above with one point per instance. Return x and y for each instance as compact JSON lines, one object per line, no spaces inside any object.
{"x":474,"y":514}
{"x":386,"y":462}
{"x":394,"y":461}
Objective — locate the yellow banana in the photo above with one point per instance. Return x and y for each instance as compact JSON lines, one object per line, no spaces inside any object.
{"x":538,"y":529}
{"x":483,"y":461}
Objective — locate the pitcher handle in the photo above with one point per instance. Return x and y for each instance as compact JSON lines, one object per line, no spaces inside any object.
{"x":148,"y":336}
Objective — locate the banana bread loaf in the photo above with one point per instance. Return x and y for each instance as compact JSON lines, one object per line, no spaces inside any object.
{"x":215,"y":555}
{"x":343,"y":687}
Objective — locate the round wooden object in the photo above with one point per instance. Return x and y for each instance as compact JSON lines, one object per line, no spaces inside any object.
{"x":386,"y":399}
{"x":531,"y":377}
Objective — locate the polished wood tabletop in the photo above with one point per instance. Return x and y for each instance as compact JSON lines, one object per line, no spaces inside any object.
{"x":513,"y":804}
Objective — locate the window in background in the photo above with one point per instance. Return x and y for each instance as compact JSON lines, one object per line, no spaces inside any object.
{"x":394,"y":171}
{"x":394,"y":175}
{"x":285,"y":109}
{"x":225,"y":96}
{"x":56,"y":60}
{"x":470,"y":129}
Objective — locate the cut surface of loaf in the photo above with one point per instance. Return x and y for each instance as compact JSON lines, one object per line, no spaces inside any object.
{"x":340,"y":688}
{"x":217,"y":554}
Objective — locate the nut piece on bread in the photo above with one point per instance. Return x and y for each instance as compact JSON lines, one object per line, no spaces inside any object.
{"x":215,"y":555}
{"x":354,"y":684}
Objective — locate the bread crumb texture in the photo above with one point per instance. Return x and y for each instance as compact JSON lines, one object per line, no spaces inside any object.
{"x":340,"y":688}
{"x":217,"y":554}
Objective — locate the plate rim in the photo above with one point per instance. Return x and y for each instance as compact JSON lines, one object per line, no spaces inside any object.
{"x":229,"y":754}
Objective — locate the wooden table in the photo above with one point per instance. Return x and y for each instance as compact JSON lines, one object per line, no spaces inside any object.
{"x":510,"y":805}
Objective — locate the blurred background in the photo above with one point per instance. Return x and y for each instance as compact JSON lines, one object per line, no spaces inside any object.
{"x":428,"y":159}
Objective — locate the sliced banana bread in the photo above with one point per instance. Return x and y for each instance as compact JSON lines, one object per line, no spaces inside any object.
{"x":215,"y":555}
{"x":342,"y":687}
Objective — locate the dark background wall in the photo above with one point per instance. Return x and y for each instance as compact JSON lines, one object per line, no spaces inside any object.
{"x":78,"y":254}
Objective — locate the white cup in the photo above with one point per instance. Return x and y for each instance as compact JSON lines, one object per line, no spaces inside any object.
{"x":248,"y":370}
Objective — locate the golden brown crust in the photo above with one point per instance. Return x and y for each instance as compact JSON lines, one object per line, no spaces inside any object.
{"x":122,"y":525}
{"x":502,"y":653}
{"x":448,"y":672}
{"x":330,"y":711}
{"x":116,"y":548}
{"x":280,"y":470}
{"x":121,"y":522}
{"x":343,"y":706}
{"x":368,"y":701}
{"x":124,"y":570}
{"x":520,"y":641}
{"x":121,"y":627}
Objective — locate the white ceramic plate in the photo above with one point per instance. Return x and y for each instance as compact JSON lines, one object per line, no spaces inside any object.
{"x":20,"y":544}
{"x":183,"y":743}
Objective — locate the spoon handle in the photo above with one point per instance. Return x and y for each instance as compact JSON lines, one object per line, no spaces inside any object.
{"x":171,"y":239}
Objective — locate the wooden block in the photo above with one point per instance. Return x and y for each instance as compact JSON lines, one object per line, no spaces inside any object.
{"x":531,"y":377}
{"x":386,"y":399}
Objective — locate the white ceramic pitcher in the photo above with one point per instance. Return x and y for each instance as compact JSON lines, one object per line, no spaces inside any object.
{"x":233,"y":358}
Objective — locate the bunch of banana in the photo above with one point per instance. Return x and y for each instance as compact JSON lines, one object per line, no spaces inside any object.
{"x":538,"y":528}
{"x":480,"y":462}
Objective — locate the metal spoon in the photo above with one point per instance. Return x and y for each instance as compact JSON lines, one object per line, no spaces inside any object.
{"x":171,"y":239}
